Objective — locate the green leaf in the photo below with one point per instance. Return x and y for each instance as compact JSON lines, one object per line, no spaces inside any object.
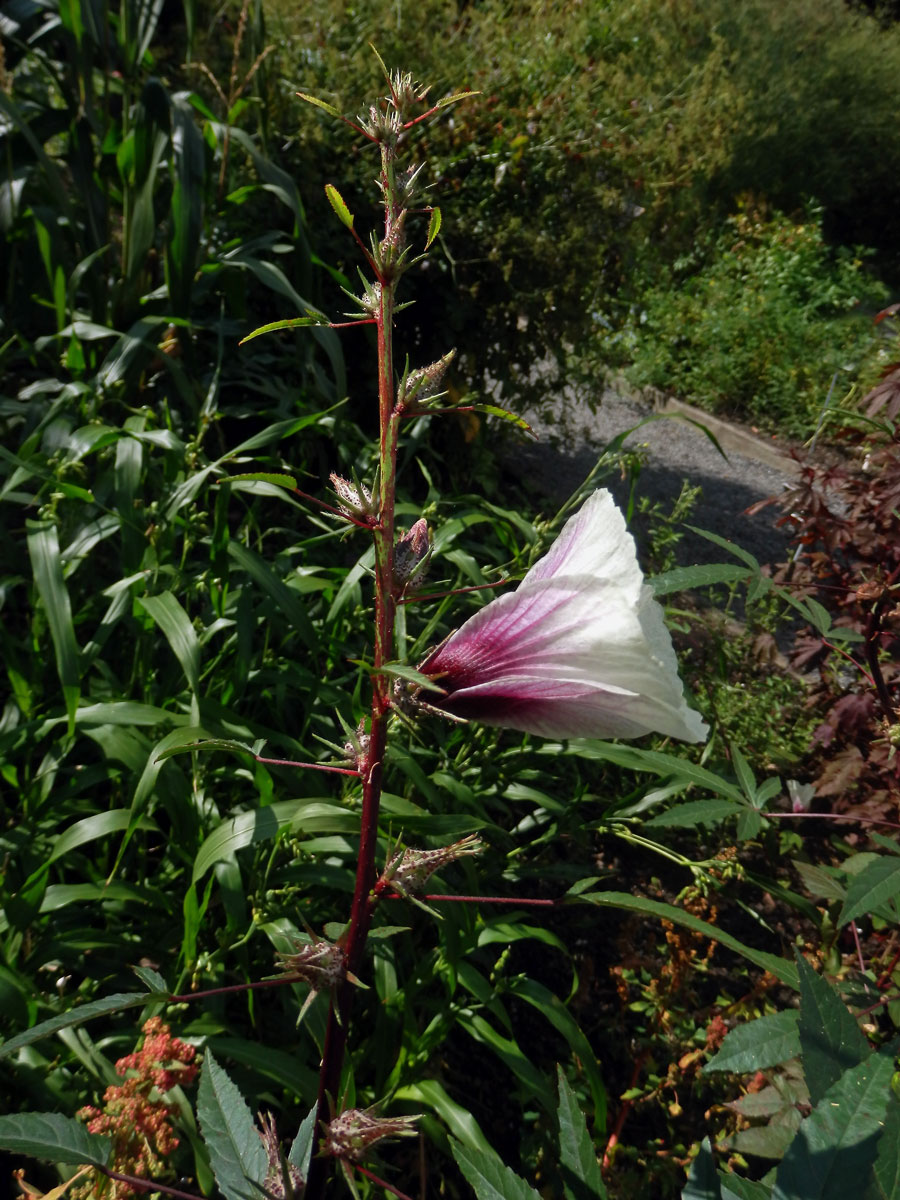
{"x":397,"y":670}
{"x":696,"y":812}
{"x":336,"y":200}
{"x":682,"y":579}
{"x":320,"y":104}
{"x":702,"y":1181}
{"x":887,"y":1164}
{"x":290,"y":323}
{"x":236,"y":1153}
{"x":736,"y":1188}
{"x":830,"y":1039}
{"x":434,"y":226}
{"x":495,"y":410}
{"x":447,"y":100}
{"x":553,"y":1009}
{"x":168,"y":613}
{"x":206,"y":744}
{"x":632,"y":758}
{"x":43,"y":550}
{"x":833,"y":1152}
{"x":53,"y":1137}
{"x":578,"y":1159}
{"x":261,"y":824}
{"x":458,"y":1120}
{"x":74,"y":1017}
{"x":88,"y":829}
{"x":758,"y":1044}
{"x":872,"y":887}
{"x":780,"y":968}
{"x":302,"y":1146}
{"x":744,"y":773}
{"x":276,"y":589}
{"x":490,"y":1178}
{"x":285,"y":481}
{"x":152,"y":980}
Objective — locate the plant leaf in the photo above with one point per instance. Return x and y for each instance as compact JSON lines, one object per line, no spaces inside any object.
{"x":76,"y":1016}
{"x":872,"y":887}
{"x":887,"y":1164}
{"x":832,"y":1154}
{"x":43,"y":550}
{"x":682,"y":579}
{"x":434,"y":226}
{"x":758,"y":1044}
{"x":53,"y":1137}
{"x":780,"y":968}
{"x":236,"y":1153}
{"x":490,"y":1178}
{"x":696,"y":812}
{"x":336,"y":200}
{"x":702,"y":1181}
{"x":577,"y":1156}
{"x":830,"y":1039}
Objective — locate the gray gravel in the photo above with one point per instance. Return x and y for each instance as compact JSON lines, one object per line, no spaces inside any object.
{"x":676,"y":450}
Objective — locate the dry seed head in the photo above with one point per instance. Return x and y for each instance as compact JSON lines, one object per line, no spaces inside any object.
{"x":409,"y":871}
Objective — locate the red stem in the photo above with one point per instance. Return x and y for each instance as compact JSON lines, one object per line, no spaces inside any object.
{"x":236,"y":987}
{"x":289,"y":762}
{"x":484,"y":900}
{"x":381,"y":1182}
{"x":476,"y":587}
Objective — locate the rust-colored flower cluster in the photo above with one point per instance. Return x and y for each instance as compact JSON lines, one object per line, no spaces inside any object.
{"x":135,"y":1113}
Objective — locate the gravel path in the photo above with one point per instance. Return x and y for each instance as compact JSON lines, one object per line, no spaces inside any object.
{"x":676,"y":450}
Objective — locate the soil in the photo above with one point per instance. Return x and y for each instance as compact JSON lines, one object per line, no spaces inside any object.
{"x":749,"y":467}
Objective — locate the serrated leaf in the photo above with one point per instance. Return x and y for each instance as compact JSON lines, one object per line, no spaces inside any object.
{"x":54,"y":1138}
{"x":578,"y":1159}
{"x":490,"y":1178}
{"x":236,"y":1153}
{"x":780,"y":968}
{"x":887,"y":1163}
{"x":285,"y":481}
{"x":768,"y":1141}
{"x":830,"y":1038}
{"x":758,"y":1044}
{"x":702,"y":1181}
{"x":434,"y":226}
{"x":832,"y":1155}
{"x":455,"y":99}
{"x":873,"y":886}
{"x":696,"y":812}
{"x":336,"y":200}
{"x":74,"y":1017}
{"x":819,"y":882}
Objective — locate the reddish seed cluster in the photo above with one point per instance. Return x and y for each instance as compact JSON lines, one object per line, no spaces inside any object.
{"x":135,"y":1113}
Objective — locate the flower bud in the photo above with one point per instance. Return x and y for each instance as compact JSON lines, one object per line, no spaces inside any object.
{"x":412,"y":555}
{"x":354,"y":499}
{"x":424,"y":382}
{"x":351,"y":1133}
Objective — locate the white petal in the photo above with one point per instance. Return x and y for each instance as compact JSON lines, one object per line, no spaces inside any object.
{"x":595,"y":541}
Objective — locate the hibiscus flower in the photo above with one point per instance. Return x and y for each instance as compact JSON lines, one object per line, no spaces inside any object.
{"x":580,"y":649}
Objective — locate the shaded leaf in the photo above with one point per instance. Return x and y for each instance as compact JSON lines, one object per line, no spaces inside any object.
{"x":832,"y":1155}
{"x":54,"y":1137}
{"x":696,"y":812}
{"x":577,"y":1155}
{"x":76,"y":1016}
{"x":490,"y":1178}
{"x":236,"y":1153}
{"x":830,"y":1038}
{"x":872,"y":887}
{"x":887,"y":1163}
{"x":758,"y":1044}
{"x":702,"y":1181}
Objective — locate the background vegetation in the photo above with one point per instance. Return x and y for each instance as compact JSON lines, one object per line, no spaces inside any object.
{"x":675,"y":188}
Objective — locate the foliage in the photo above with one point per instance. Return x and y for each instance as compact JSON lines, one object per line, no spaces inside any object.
{"x":180,"y":620}
{"x":707,"y":332}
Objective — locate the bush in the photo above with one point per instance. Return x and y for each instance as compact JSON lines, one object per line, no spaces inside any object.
{"x":758,"y":331}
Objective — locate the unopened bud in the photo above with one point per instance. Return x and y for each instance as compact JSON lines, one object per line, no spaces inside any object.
{"x":351,"y":1134}
{"x":409,"y":871}
{"x":424,"y":382}
{"x":412,"y":555}
{"x":354,"y":499}
{"x":356,"y":748}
